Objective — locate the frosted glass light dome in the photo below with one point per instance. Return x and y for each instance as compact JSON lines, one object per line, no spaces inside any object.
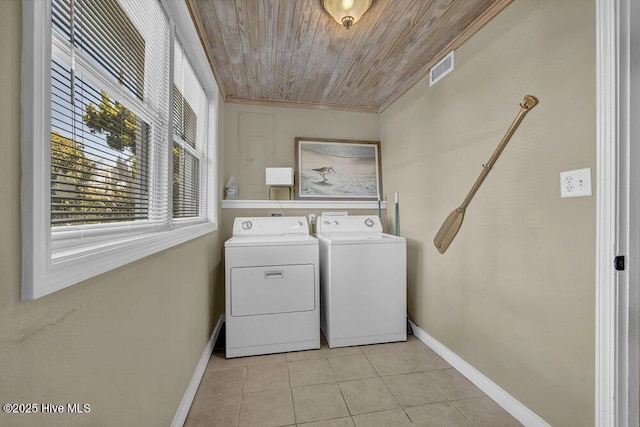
{"x":346,"y":12}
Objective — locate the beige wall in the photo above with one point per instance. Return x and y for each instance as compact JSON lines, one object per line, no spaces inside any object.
{"x":514,"y":294}
{"x":273,"y":130}
{"x":126,"y":342}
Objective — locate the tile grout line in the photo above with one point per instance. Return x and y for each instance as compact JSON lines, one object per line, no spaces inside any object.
{"x":345,"y":401}
{"x":426,"y":378}
{"x":238,"y":412}
{"x":293,"y":402}
{"x":326,"y":356}
{"x":244,"y":371}
{"x":394,"y":396}
{"x":463,"y":414}
{"x":449,"y":400}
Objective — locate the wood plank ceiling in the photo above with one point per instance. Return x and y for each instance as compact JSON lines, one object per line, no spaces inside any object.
{"x":292,"y":53}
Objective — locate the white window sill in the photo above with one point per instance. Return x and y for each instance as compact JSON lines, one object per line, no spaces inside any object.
{"x":72,"y":266}
{"x":302,"y":204}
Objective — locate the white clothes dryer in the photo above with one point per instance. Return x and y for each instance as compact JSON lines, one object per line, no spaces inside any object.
{"x":271,"y":287}
{"x":363,"y":282}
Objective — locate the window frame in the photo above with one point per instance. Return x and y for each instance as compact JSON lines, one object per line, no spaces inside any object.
{"x":197,"y":151}
{"x":108,"y":246}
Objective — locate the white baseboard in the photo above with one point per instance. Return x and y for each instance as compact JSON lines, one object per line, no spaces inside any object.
{"x":510,"y":404}
{"x":183,"y":409}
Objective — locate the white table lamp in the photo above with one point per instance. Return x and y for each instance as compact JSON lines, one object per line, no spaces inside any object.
{"x":279,"y":178}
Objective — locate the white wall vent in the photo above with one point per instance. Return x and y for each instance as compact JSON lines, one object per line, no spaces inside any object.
{"x":441,"y":69}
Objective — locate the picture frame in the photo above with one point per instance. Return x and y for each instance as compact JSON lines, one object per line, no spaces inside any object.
{"x":337,"y":169}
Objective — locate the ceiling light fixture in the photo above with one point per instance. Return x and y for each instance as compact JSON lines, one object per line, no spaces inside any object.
{"x":346,"y":12}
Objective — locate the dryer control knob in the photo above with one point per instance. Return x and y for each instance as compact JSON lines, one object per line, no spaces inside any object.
{"x":368,"y":222}
{"x":246,"y":225}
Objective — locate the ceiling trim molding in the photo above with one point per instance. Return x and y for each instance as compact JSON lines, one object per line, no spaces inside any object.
{"x":295,"y":104}
{"x":468,"y":32}
{"x":197,"y":23}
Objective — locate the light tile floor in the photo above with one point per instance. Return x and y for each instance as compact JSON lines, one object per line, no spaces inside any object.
{"x":398,"y":384}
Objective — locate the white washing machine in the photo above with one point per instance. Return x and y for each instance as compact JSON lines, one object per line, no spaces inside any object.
{"x":363,"y":282}
{"x":271,"y":287}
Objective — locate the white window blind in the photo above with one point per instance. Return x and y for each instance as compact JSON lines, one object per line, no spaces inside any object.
{"x":109,"y":103}
{"x":98,"y":187}
{"x":190,"y":124}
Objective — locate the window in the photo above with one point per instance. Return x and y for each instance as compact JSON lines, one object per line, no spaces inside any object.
{"x":108,"y":178}
{"x":189,"y":136}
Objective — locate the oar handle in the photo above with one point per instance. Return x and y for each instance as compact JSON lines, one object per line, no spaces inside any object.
{"x":526,"y":105}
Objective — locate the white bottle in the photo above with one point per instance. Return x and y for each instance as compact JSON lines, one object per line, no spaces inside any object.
{"x":231,"y":189}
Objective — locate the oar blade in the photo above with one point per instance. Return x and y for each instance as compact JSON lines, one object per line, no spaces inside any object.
{"x":448,"y":231}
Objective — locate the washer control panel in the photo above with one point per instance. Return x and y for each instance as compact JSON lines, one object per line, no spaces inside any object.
{"x":349,"y":224}
{"x":265,"y":226}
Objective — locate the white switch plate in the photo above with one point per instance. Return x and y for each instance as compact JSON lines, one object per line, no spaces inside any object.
{"x":576,"y":183}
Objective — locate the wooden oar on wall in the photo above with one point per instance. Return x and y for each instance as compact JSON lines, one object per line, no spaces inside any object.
{"x":452,"y":224}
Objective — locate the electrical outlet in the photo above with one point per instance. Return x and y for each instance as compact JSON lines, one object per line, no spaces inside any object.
{"x":312,"y":219}
{"x":576,"y":183}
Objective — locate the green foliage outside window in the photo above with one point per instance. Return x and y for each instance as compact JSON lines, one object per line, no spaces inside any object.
{"x":114,"y":120}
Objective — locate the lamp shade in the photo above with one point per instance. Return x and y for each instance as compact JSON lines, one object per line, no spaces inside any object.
{"x":346,"y":12}
{"x":279,"y":176}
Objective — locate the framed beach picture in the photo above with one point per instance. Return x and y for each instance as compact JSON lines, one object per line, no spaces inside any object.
{"x":337,"y":169}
